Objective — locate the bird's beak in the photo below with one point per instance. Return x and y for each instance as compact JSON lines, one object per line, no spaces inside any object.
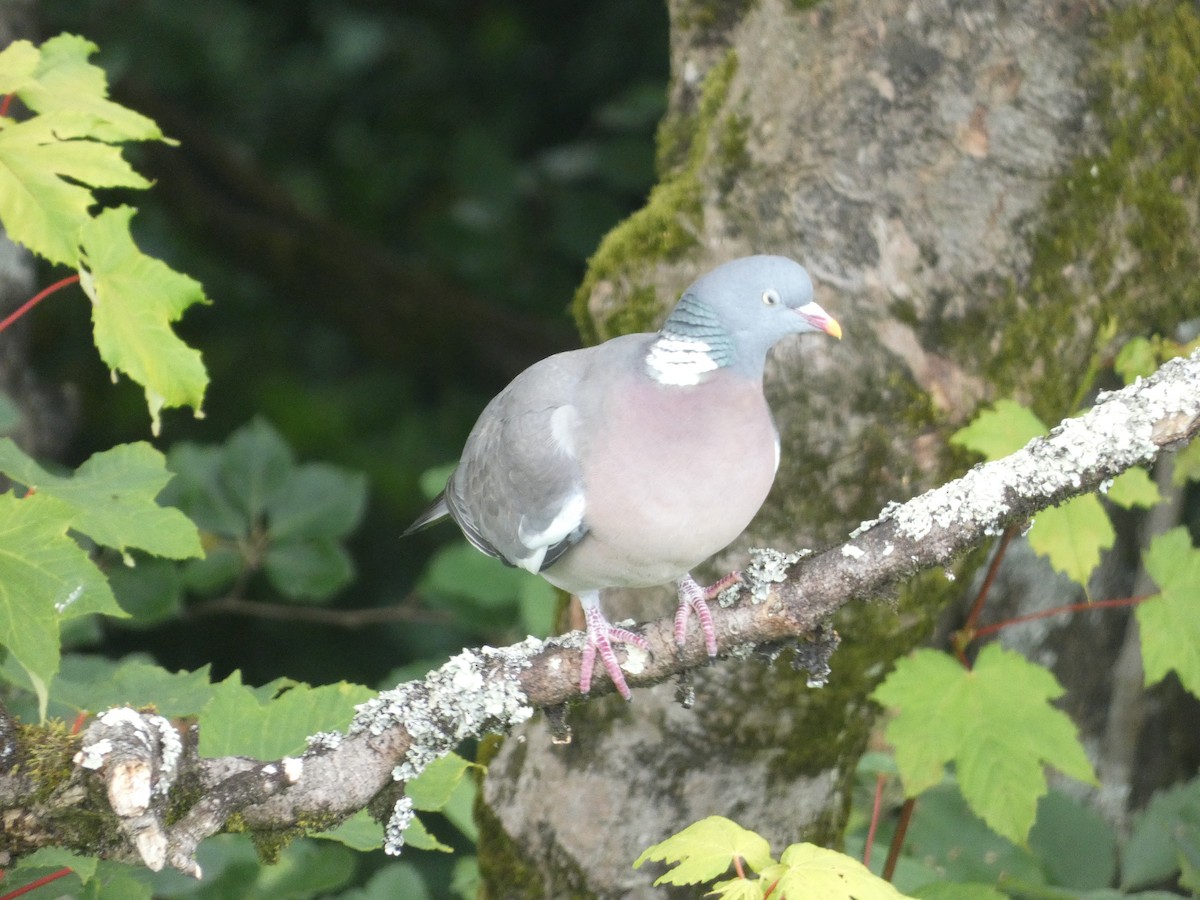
{"x":820,"y":320}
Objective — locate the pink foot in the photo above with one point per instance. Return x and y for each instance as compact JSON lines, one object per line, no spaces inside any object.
{"x":600,"y":637}
{"x":693,"y":598}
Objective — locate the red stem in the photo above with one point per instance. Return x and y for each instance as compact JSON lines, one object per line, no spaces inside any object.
{"x":876,"y":807}
{"x":34,"y":885}
{"x":993,"y":568}
{"x":906,"y":811}
{"x":5,"y":102}
{"x":34,"y":301}
{"x":1058,"y":610}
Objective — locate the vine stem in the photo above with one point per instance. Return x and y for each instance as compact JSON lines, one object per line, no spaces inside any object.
{"x":1059,"y":610}
{"x":34,"y":301}
{"x":893,"y":857}
{"x":876,"y":810}
{"x":34,"y":885}
{"x":5,"y":102}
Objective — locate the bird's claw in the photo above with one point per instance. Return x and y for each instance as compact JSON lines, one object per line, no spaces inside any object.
{"x":694,"y":598}
{"x":601,"y":635}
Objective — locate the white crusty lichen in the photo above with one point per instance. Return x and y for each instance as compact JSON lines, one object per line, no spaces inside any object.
{"x":768,"y":567}
{"x":1118,"y":432}
{"x":393,"y":834}
{"x":475,"y":692}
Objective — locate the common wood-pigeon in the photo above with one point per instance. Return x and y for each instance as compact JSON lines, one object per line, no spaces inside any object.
{"x":629,"y":463}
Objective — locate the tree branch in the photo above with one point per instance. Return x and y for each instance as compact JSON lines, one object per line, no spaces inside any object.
{"x":397,"y":734}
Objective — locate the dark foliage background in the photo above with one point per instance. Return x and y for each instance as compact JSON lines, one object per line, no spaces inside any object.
{"x":390,"y":206}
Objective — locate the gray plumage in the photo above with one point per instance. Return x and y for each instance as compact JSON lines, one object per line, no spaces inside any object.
{"x":630,"y":463}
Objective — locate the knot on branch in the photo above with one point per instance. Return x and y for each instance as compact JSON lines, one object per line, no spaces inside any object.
{"x":138,"y":756}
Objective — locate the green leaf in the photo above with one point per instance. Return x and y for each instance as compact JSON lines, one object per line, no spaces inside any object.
{"x":1136,"y":358}
{"x":44,"y":183}
{"x":1072,"y":536}
{"x":18,"y":61}
{"x":417,"y":835}
{"x":113,"y":494}
{"x":806,"y":871}
{"x":58,"y":858}
{"x":1187,"y":465}
{"x":396,"y":881}
{"x":1170,"y":623}
{"x":944,"y":890}
{"x":431,"y":790}
{"x":236,"y":722}
{"x":317,"y":500}
{"x":94,"y":683}
{"x":952,"y":841}
{"x":308,"y":570}
{"x":199,"y":490}
{"x":1134,"y":487}
{"x":1003,"y":429}
{"x":1151,"y":856}
{"x":359,"y":832}
{"x":135,"y":298}
{"x":995,"y":722}
{"x":45,"y":577}
{"x":432,"y":481}
{"x":1077,"y":848}
{"x":255,"y":464}
{"x":151,"y":590}
{"x":64,"y":81}
{"x":739,"y":889}
{"x":705,"y":850}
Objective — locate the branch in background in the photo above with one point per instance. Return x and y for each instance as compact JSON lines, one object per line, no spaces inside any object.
{"x":785,"y":598}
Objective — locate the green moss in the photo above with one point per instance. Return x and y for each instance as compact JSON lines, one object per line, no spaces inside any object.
{"x":1118,"y":242}
{"x":47,"y":755}
{"x":666,"y":227}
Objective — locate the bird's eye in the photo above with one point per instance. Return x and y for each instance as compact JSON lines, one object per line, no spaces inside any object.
{"x":771,"y":297}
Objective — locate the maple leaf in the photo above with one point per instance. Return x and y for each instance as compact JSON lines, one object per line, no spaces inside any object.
{"x":994,"y":722}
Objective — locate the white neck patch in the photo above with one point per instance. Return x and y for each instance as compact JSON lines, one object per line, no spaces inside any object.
{"x":681,"y":361}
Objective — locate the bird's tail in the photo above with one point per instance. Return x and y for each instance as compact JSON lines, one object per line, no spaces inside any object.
{"x":437,"y":510}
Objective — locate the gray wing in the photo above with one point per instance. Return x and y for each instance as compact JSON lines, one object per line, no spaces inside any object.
{"x":518,"y":492}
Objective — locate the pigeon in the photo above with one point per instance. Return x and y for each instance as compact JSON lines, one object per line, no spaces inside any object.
{"x":627,"y":464}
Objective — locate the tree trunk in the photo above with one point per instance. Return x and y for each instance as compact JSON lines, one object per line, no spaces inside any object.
{"x":978,"y":191}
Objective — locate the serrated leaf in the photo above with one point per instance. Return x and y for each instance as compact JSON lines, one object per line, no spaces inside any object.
{"x":95,"y":683}
{"x":705,"y":850}
{"x":64,"y":81}
{"x":113,"y":494}
{"x":996,"y":432}
{"x":308,"y":570}
{"x":45,"y":578}
{"x":236,"y":722}
{"x":44,"y":183}
{"x":1072,"y":536}
{"x":18,"y":62}
{"x":1170,"y":623}
{"x":317,"y":500}
{"x":430,"y":790}
{"x":809,"y":872}
{"x":418,"y":836}
{"x":1134,"y":487}
{"x":995,"y":722}
{"x":135,"y":299}
{"x":738,"y":889}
